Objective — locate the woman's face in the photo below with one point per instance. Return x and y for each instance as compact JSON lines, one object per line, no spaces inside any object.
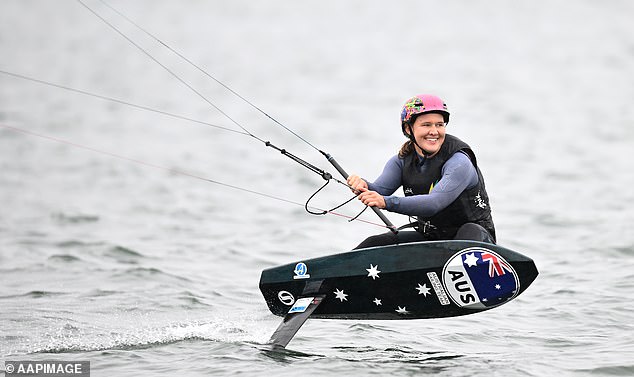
{"x":429,"y":133}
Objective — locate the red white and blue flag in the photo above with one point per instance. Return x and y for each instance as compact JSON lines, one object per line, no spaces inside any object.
{"x":479,"y":278}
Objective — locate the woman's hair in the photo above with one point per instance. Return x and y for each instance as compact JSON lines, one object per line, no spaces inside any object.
{"x":408,"y":146}
{"x":406,"y":149}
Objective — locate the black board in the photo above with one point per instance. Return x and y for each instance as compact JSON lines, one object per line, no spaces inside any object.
{"x":410,"y":281}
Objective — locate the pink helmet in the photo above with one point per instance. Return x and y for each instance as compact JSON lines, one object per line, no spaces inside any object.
{"x":421,"y":104}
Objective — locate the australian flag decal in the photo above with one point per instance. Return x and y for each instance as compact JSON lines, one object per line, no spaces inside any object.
{"x":479,"y":278}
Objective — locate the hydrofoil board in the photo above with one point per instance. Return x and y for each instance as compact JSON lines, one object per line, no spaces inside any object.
{"x":432,"y":279}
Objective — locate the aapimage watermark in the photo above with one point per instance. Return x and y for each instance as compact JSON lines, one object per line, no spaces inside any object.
{"x":47,"y":368}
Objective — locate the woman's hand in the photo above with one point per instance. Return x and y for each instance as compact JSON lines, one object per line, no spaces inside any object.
{"x":357,"y":185}
{"x":369,"y":198}
{"x":372,"y":198}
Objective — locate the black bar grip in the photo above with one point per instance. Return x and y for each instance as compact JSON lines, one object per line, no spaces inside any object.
{"x":378,"y":212}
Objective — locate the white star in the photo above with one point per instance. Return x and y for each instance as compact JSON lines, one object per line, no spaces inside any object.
{"x":471,"y":260}
{"x":423,"y":289}
{"x":340,"y":295}
{"x":377,"y":302}
{"x":402,"y":310}
{"x":497,"y":286}
{"x":373,"y":271}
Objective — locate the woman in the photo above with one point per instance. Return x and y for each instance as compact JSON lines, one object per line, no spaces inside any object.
{"x":444,"y":189}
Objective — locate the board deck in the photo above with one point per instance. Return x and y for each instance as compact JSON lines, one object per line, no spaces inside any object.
{"x":410,"y":281}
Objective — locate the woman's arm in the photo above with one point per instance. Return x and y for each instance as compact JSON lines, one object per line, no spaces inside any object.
{"x":458,"y":174}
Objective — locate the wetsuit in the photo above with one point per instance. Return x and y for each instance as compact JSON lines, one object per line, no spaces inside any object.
{"x":454,"y":206}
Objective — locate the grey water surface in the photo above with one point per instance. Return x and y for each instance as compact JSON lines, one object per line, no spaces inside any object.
{"x":146,"y":268}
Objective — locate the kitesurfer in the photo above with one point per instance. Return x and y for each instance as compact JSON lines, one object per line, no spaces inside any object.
{"x":443,"y":186}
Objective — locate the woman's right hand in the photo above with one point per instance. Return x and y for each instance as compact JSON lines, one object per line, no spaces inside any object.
{"x":357,"y":185}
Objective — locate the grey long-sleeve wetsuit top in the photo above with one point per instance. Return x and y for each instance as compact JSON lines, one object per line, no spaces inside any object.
{"x":458,"y":174}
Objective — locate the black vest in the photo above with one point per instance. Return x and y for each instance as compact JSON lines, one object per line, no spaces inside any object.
{"x":472,"y":206}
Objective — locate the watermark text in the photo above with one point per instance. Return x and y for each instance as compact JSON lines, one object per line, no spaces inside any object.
{"x":47,"y":368}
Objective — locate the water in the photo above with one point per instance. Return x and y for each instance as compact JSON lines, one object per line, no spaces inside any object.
{"x":146,"y":272}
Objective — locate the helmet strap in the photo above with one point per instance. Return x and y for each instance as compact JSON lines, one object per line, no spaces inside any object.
{"x":413,"y":140}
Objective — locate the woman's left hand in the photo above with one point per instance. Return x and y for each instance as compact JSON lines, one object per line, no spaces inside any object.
{"x":372,"y":199}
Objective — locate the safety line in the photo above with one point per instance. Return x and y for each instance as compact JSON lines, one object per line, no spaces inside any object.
{"x":119,"y":101}
{"x":330,"y":159}
{"x":298,"y":160}
{"x":325,"y":175}
{"x":267,"y":143}
{"x":203,"y":71}
{"x":174,"y":171}
{"x":171,"y":72}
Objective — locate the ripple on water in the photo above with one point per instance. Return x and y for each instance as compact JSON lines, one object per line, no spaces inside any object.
{"x":192,"y":301}
{"x":64,"y":258}
{"x":617,"y":370}
{"x":76,"y":244}
{"x":625,"y":250}
{"x":148,"y":273}
{"x":100,"y":293}
{"x":36,"y":294}
{"x":63,"y":218}
{"x":392,"y":354}
{"x":124,"y":255}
